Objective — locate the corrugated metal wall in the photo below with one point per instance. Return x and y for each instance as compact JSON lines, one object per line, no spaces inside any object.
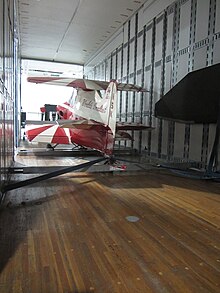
{"x":156,"y":48}
{"x":9,"y":85}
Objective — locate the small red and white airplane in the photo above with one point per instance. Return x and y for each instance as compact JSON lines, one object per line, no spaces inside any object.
{"x":90,"y":121}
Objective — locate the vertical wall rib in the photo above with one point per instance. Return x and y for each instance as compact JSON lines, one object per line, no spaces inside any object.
{"x":9,"y":86}
{"x":142,"y":84}
{"x":151,"y":84}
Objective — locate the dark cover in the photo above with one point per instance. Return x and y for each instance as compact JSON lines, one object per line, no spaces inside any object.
{"x":195,"y":99}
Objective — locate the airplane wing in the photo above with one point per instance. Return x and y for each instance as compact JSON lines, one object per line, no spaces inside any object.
{"x":77,"y":124}
{"x":85,"y":124}
{"x":39,"y":122}
{"x":48,"y":133}
{"x":84,"y":84}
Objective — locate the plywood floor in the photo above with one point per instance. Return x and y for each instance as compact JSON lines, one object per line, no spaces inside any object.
{"x":72,"y":234}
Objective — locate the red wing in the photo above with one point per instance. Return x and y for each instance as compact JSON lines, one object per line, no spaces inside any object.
{"x":84,"y":84}
{"x":48,"y":133}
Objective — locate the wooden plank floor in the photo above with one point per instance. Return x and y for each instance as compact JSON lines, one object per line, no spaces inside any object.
{"x":71,"y":234}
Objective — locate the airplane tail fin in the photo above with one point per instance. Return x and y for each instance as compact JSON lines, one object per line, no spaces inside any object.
{"x":111,"y":98}
{"x":90,"y":105}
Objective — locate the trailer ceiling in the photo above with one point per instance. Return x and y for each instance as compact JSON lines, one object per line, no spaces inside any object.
{"x":70,"y":31}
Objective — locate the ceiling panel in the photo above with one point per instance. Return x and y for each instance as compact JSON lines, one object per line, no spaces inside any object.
{"x":70,"y":30}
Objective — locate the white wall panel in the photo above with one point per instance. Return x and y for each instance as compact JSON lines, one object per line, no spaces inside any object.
{"x":108,"y":69}
{"x":125,"y":33}
{"x":132,"y":27}
{"x":183,"y":40}
{"x":147,"y":86}
{"x":148,"y":52}
{"x":138,"y":107}
{"x":157,"y":84}
{"x":216,"y":38}
{"x":154,"y":136}
{"x":138,"y":100}
{"x":113,"y":66}
{"x":202,"y":20}
{"x":156,"y":97}
{"x":141,"y":19}
{"x":183,"y":66}
{"x":147,"y":80}
{"x":123,"y":106}
{"x":139,"y":81}
{"x":131,"y":58}
{"x":125,"y":54}
{"x":217,"y":17}
{"x":164,"y":138}
{"x":170,"y":33}
{"x":200,"y":57}
{"x":159,"y":38}
{"x":130,"y":98}
{"x":119,"y":65}
{"x":144,"y":139}
{"x":184,"y":32}
{"x":168,"y":76}
{"x":139,"y":52}
{"x":169,"y":50}
{"x":195,"y":142}
{"x":216,"y":53}
{"x":179,"y":140}
{"x":212,"y":128}
{"x":148,"y":75}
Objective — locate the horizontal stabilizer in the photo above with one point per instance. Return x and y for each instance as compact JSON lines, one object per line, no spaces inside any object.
{"x":132,"y":126}
{"x":78,"y":124}
{"x":123,"y":136}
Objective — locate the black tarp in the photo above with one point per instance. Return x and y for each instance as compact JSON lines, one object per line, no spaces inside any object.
{"x":194,"y":99}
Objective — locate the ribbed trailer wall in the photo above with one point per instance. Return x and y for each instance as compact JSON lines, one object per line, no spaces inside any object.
{"x":161,"y":43}
{"x":9,"y":86}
